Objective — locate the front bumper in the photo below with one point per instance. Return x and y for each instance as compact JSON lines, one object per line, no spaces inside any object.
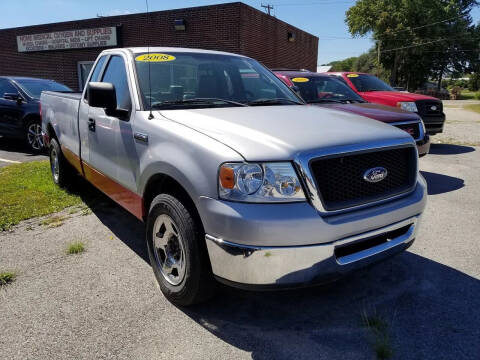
{"x":271,"y":245}
{"x":433,"y":123}
{"x":423,"y":146}
{"x":247,"y":266}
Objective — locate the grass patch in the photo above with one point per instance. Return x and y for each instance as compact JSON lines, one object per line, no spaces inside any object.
{"x":76,"y":247}
{"x":54,"y":221}
{"x":379,"y":329}
{"x":469,"y":95}
{"x":473,"y":107}
{"x":7,"y":277}
{"x":27,"y":190}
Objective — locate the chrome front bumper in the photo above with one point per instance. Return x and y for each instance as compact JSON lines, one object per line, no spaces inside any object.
{"x":244,"y":265}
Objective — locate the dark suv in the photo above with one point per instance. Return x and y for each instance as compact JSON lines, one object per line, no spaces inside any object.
{"x":20,"y":108}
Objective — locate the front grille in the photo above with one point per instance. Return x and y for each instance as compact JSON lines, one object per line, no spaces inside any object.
{"x":424,"y":107}
{"x":340,"y":181}
{"x":413,"y":129}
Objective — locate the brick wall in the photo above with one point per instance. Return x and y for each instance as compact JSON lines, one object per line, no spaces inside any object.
{"x":233,"y":27}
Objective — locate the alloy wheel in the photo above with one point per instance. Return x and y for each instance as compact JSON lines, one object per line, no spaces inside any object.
{"x":169,"y":250}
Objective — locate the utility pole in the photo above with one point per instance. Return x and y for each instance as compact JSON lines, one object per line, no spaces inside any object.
{"x":379,"y":44}
{"x":267,"y":7}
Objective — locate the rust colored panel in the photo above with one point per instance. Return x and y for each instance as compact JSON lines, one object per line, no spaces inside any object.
{"x":118,"y":193}
{"x":73,"y":159}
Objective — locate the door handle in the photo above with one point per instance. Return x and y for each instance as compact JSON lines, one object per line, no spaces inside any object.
{"x":91,"y":124}
{"x":141,"y":137}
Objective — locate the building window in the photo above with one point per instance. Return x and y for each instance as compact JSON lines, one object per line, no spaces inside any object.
{"x":83,"y":69}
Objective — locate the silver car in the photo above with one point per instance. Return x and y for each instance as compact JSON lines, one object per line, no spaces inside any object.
{"x":235,"y":177}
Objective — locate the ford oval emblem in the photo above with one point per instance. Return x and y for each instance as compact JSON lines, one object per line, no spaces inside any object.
{"x":375,"y":175}
{"x":433,"y":108}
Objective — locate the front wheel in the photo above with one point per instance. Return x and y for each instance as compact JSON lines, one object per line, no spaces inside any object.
{"x":34,"y":137}
{"x":178,"y":253}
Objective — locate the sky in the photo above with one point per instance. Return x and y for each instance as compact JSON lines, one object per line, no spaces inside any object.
{"x":322,"y":18}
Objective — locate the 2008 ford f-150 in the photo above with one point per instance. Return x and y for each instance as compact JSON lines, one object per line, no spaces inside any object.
{"x":236,"y":178}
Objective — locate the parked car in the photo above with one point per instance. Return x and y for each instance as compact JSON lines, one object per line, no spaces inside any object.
{"x":20,"y":108}
{"x":374,"y":90}
{"x":236,"y":177}
{"x":329,"y":92}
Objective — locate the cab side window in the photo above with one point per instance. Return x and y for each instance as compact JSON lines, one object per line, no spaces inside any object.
{"x":6,"y":87}
{"x":96,"y":73}
{"x":98,"y":68}
{"x":117,"y":75}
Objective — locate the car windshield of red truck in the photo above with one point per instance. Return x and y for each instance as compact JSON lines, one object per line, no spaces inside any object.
{"x":366,"y":82}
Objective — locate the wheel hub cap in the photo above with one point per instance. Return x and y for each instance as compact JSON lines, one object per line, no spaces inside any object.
{"x":168,"y":249}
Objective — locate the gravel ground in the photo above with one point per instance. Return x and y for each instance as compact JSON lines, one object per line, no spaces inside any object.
{"x":462,"y":126}
{"x":105,"y":303}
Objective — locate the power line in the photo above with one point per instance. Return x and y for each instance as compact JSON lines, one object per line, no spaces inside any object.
{"x":423,"y":26}
{"x":420,"y":44}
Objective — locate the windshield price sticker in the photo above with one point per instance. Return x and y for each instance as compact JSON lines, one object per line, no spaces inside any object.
{"x":352,"y":75}
{"x":300,"y":79}
{"x":155,"y":58}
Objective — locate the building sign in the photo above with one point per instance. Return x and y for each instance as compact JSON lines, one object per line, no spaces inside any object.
{"x":70,"y":39}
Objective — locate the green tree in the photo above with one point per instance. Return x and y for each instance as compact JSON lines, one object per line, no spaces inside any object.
{"x":418,"y":39}
{"x":343,"y":65}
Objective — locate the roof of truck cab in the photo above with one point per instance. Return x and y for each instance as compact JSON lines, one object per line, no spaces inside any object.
{"x":156,"y":49}
{"x":23,"y":78}
{"x":298,"y":73}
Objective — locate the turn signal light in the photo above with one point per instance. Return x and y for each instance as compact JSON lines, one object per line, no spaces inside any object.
{"x":227,"y":177}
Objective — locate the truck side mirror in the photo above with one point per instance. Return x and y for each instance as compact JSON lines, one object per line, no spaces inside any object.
{"x":13,"y":96}
{"x":102,"y":95}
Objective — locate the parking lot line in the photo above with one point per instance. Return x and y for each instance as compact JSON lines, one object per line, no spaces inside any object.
{"x":10,"y":161}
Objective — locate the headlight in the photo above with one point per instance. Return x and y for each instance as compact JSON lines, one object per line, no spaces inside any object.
{"x":408,"y":106}
{"x":423,"y":126}
{"x":264,"y":182}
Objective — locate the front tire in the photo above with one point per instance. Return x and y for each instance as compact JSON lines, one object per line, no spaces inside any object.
{"x":177,"y":252}
{"x":34,"y":137}
{"x":62,"y":171}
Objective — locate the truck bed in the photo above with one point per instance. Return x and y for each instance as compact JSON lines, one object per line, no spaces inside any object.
{"x":60,"y":110}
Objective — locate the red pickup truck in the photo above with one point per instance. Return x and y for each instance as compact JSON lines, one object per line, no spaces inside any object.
{"x":377,"y":91}
{"x":329,"y":92}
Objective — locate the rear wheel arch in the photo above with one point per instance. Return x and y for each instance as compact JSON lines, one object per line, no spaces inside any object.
{"x":51,"y":132}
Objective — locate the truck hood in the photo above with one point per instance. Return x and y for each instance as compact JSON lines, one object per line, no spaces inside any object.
{"x":266,"y":133}
{"x":396,"y":96}
{"x":382,"y":113}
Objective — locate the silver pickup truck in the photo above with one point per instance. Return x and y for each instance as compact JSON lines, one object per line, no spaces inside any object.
{"x":235,"y":177}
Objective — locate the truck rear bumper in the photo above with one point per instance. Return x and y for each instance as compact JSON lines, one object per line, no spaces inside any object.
{"x":254,"y":266}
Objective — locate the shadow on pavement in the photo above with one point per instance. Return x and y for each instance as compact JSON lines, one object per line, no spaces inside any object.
{"x":431,"y":309}
{"x":17,"y":146}
{"x":124,"y":225}
{"x":439,"y":184}
{"x":449,"y":149}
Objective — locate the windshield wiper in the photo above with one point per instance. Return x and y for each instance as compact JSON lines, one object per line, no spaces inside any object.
{"x":327,"y":101}
{"x":276,"y":101}
{"x":201,"y":101}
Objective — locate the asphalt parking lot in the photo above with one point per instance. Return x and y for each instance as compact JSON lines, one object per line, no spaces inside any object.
{"x":105,"y":303}
{"x":12,"y":151}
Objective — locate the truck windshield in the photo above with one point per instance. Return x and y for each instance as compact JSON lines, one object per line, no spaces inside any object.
{"x":365,"y":82}
{"x":316,"y":89}
{"x":187,"y":80}
{"x":34,"y":87}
